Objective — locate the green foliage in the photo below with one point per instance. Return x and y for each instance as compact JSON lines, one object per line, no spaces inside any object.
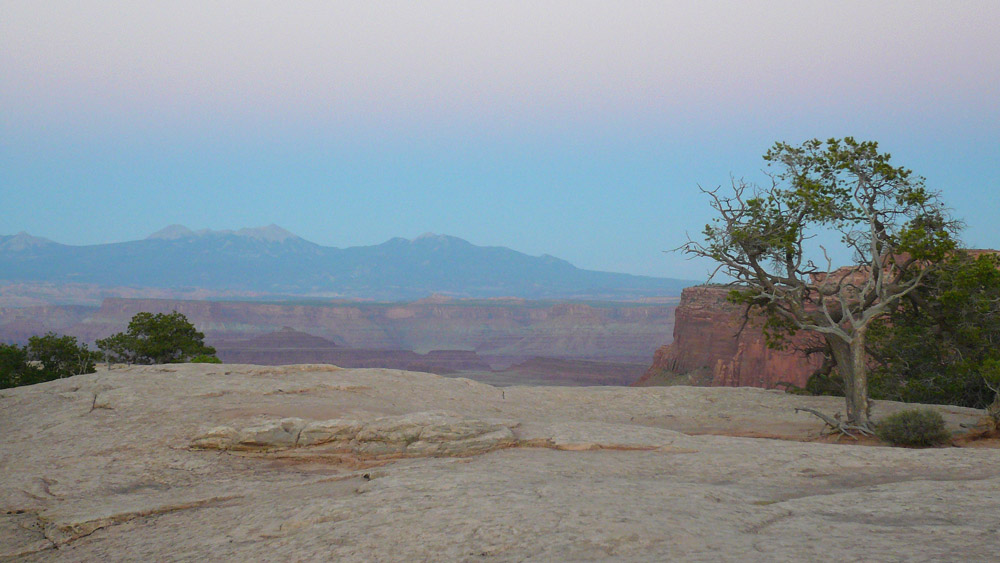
{"x":118,"y":347}
{"x":942,"y":344}
{"x":159,"y":338}
{"x":913,"y":427}
{"x":840,"y":184}
{"x":205,"y":359}
{"x":44,"y":358}
{"x":60,"y":356}
{"x":767,"y":238}
{"x":14,"y":367}
{"x":828,"y":384}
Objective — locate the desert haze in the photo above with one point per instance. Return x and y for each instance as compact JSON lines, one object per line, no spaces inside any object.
{"x":272,"y":261}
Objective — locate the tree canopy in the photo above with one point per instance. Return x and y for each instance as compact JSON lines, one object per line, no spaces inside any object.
{"x":766,"y":239}
{"x":941,"y":344}
{"x":158,"y":338}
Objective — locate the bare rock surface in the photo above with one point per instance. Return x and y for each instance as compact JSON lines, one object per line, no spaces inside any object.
{"x":316,"y":463}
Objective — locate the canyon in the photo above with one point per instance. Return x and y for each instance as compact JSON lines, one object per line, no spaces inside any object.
{"x":289,"y":346}
{"x":265,"y":295}
{"x":500,"y":340}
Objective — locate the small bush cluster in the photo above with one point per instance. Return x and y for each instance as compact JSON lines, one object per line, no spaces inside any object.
{"x":913,"y":427}
{"x":205,"y":359}
{"x":44,"y":358}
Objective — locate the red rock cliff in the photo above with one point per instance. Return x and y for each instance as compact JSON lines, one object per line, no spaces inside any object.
{"x":709,"y":348}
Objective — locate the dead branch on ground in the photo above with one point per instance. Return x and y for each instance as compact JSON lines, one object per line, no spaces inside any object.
{"x":836,"y":425}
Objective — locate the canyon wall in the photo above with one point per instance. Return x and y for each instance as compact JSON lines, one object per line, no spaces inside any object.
{"x":507,"y":331}
{"x":18,"y":324}
{"x":289,"y":346}
{"x":710,"y":349}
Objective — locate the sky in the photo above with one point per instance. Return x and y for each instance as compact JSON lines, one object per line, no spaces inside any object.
{"x":577,"y":129}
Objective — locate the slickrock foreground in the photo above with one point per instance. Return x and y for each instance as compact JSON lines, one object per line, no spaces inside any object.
{"x":313,"y":463}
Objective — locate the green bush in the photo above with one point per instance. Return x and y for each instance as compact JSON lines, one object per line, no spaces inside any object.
{"x":60,"y":356}
{"x":156,"y":339}
{"x":15,"y":368}
{"x":913,"y":427}
{"x":939,"y":345}
{"x":44,"y":358}
{"x":205,"y":359}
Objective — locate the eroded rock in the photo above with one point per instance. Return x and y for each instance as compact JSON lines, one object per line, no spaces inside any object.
{"x":419,"y":434}
{"x":282,"y":433}
{"x":340,"y":430}
{"x":217,"y":438}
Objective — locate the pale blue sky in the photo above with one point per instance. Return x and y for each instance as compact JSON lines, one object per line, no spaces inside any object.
{"x":577,"y":129}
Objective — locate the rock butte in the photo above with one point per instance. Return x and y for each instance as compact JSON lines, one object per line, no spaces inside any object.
{"x":710,"y":349}
{"x":316,"y":463}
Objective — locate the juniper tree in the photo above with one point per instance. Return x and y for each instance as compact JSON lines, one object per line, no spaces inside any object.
{"x":764,"y":239}
{"x":156,"y":339}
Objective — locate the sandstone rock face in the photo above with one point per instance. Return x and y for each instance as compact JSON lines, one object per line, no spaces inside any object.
{"x":314,"y":463}
{"x":338,"y":430}
{"x":710,"y":349}
{"x":283,"y":433}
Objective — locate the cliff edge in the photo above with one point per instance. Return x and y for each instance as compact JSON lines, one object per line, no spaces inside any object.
{"x":712,"y":347}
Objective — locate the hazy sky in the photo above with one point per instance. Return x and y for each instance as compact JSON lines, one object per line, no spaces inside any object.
{"x":578,"y":129}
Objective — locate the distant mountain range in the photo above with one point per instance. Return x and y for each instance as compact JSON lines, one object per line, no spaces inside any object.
{"x":273,"y":261}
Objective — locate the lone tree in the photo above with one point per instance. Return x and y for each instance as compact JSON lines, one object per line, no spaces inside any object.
{"x":765,"y":239}
{"x":159,"y":338}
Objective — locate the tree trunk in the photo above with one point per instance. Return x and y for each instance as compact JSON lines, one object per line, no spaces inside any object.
{"x":853,"y":368}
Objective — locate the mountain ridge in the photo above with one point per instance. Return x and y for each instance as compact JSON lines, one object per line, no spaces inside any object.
{"x":275,"y":261}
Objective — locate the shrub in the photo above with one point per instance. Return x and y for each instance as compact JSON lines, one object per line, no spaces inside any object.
{"x":913,"y":427}
{"x":156,"y":339}
{"x":205,"y":359}
{"x":939,"y":345}
{"x":44,"y":358}
{"x":60,"y":356}
{"x":14,"y":366}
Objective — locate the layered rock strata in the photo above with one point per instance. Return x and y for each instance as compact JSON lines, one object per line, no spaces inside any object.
{"x":716,"y":344}
{"x":505,"y":331}
{"x":289,"y":346}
